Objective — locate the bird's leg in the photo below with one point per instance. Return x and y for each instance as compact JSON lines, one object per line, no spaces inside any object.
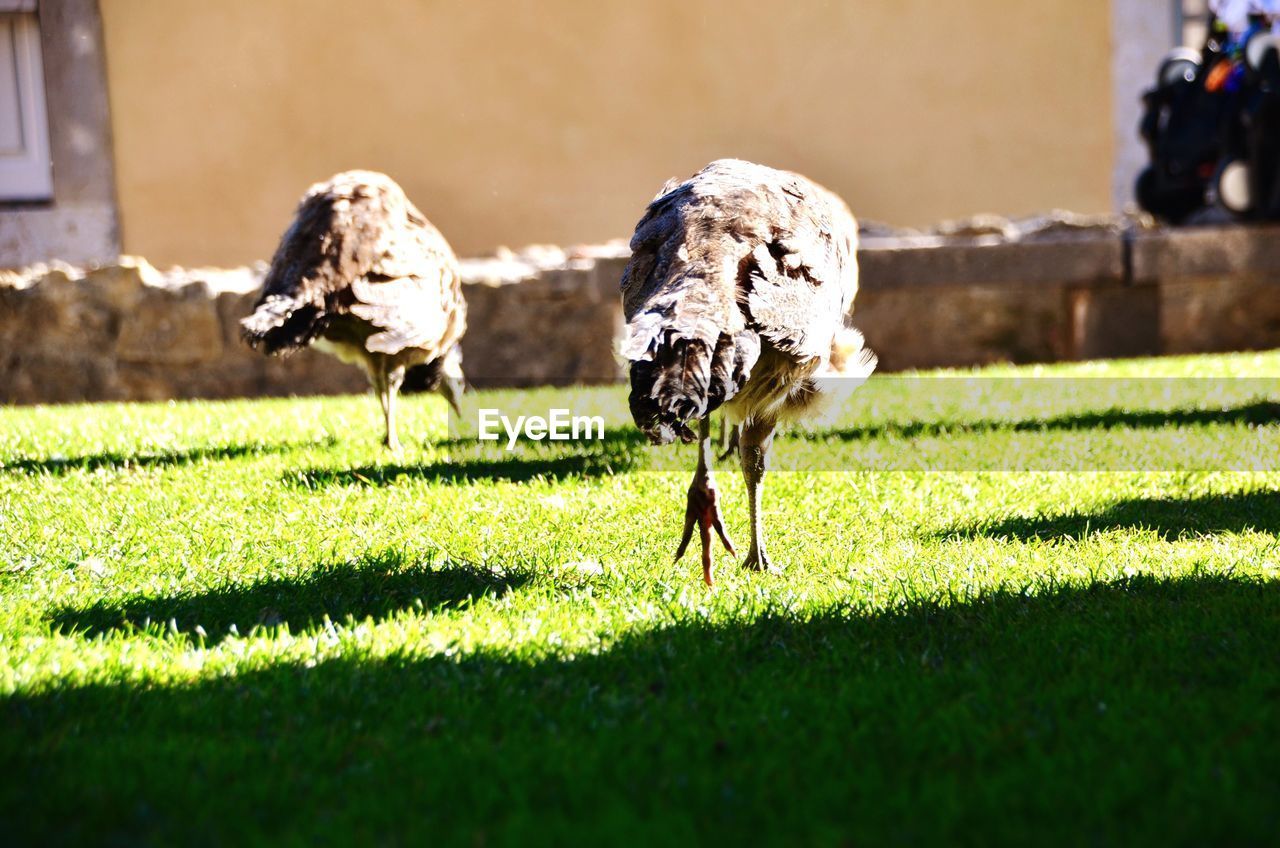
{"x":702,"y":508}
{"x":380,"y":378}
{"x":728,"y":439}
{"x":392,"y":380}
{"x":753,"y":450}
{"x":376,"y":366}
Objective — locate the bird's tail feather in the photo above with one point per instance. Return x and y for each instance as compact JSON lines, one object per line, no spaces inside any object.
{"x":685,"y":380}
{"x":850,"y":356}
{"x":282,"y":324}
{"x":850,"y":364}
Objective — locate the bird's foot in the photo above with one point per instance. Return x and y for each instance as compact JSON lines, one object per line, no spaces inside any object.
{"x":758,"y":560}
{"x":392,"y":444}
{"x":703,"y":510}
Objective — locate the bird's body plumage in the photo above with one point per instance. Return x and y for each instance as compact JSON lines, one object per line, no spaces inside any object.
{"x":736,"y":296}
{"x":738,"y":287}
{"x":362,"y":274}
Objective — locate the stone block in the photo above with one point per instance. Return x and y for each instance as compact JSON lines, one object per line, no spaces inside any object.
{"x":570,"y":330}
{"x":1212,"y":314}
{"x":1114,"y":321}
{"x":58,"y":317}
{"x":1200,"y":252}
{"x":886,"y":264}
{"x":911,"y":327}
{"x":27,"y":378}
{"x":171,"y":328}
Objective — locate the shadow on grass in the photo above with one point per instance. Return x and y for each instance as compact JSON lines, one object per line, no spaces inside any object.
{"x":1257,"y":413}
{"x":1140,"y":712}
{"x":517,"y":469}
{"x":114,"y":461}
{"x":616,"y":440}
{"x":376,"y":586}
{"x":1169,"y":518}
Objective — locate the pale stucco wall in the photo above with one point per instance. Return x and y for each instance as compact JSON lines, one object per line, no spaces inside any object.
{"x":556,"y":120}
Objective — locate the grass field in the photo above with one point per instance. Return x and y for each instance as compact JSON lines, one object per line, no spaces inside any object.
{"x":246,"y":622}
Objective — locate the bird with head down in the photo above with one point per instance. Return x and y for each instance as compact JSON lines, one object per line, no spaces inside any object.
{"x":362,"y":274}
{"x":735,"y":298}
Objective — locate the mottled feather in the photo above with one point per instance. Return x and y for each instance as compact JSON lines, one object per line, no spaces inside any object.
{"x":360,"y":264}
{"x":741,"y":270}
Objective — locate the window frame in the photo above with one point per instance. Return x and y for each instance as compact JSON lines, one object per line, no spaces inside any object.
{"x":27,"y":175}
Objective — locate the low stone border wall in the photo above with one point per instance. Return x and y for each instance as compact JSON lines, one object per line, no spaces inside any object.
{"x":126,"y":331}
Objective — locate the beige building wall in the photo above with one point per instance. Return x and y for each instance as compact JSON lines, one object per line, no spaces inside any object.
{"x":556,"y":120}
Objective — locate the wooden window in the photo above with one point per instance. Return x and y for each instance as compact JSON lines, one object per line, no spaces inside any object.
{"x":25,"y":172}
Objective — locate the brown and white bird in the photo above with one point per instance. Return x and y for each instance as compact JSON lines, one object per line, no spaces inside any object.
{"x":363,"y":275}
{"x":735,"y":296}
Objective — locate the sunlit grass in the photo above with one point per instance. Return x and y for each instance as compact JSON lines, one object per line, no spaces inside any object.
{"x":246,"y":620}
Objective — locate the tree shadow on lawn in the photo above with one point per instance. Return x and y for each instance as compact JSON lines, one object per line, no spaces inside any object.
{"x":375,"y":586}
{"x":616,"y":440}
{"x":517,"y":467}
{"x":1135,"y":712}
{"x":1169,"y":517}
{"x":1256,"y":413}
{"x":115,"y":461}
{"x":512,"y":470}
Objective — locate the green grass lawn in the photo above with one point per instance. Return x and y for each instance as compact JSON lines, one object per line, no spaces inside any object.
{"x":226,"y":622}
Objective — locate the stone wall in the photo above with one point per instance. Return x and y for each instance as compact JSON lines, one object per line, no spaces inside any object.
{"x":126,"y":331}
{"x":1092,"y":292}
{"x":976,"y":295}
{"x":969,"y":300}
{"x":544,"y":317}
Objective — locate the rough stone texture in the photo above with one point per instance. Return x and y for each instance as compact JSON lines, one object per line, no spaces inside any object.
{"x":126,"y":331}
{"x":552,"y":317}
{"x":933,"y":261}
{"x":1113,"y":321}
{"x":990,"y":289}
{"x":543,"y":319}
{"x":1203,"y":252}
{"x":1213,"y":314}
{"x":975,"y":324}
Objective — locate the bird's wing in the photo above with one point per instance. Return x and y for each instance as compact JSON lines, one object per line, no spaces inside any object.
{"x":802,"y":273}
{"x":340,"y":231}
{"x":358,"y":246}
{"x":742,"y":247}
{"x":412,"y":293}
{"x":738,"y":257}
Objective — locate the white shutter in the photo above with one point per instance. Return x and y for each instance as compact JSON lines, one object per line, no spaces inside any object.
{"x":24,"y":126}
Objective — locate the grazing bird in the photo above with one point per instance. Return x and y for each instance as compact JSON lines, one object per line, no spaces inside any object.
{"x":363,"y":275}
{"x":735,"y":296}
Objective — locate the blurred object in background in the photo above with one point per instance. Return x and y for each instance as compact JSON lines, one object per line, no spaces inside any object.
{"x":1212,"y":121}
{"x":1237,"y":15}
